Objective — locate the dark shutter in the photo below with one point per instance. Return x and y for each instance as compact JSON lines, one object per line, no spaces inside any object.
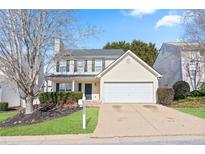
{"x":103,"y":64}
{"x":57,"y":87}
{"x":85,"y":65}
{"x":57,"y":66}
{"x":67,"y":65}
{"x":79,"y":87}
{"x":75,"y":65}
{"x":93,"y":65}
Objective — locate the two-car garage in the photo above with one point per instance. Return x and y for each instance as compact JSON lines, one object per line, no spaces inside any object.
{"x":130,"y":92}
{"x":129,"y":80}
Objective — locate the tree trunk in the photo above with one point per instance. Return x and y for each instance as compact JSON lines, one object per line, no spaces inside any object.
{"x":46,"y":85}
{"x":29,"y":105}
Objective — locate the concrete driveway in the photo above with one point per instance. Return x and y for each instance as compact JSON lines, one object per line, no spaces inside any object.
{"x":126,"y":120}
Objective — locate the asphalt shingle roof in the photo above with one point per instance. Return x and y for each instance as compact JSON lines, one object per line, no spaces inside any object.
{"x":187,"y":46}
{"x":93,"y":52}
{"x":186,"y":43}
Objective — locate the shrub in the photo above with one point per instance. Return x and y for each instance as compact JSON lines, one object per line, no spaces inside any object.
{"x":42,"y":98}
{"x":202,"y":87}
{"x":202,"y":92}
{"x":48,"y":97}
{"x":181,"y":90}
{"x":54,"y":97}
{"x":4,"y":106}
{"x":196,"y":93}
{"x":165,"y":95}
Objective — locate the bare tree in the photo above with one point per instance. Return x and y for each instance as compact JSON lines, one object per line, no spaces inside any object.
{"x":194,"y":38}
{"x":194,"y":70}
{"x":194,"y":22}
{"x":26,"y":40}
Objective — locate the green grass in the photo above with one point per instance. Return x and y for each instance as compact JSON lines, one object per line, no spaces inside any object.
{"x":199,"y":112}
{"x":5,"y":115}
{"x":71,"y":124}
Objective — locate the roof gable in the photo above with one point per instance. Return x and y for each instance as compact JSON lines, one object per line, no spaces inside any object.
{"x":140,"y":61}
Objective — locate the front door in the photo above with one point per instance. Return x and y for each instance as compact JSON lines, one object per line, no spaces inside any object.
{"x":88,"y":91}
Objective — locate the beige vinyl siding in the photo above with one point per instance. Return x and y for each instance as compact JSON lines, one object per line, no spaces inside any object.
{"x":131,"y":71}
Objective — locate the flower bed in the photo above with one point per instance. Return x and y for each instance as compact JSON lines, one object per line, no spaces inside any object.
{"x":38,"y":116}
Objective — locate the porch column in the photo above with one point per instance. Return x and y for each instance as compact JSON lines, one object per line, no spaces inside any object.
{"x":83,"y":89}
{"x":73,"y":85}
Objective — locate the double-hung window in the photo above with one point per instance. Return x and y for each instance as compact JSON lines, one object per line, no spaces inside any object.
{"x":62,"y":86}
{"x":80,"y":66}
{"x":98,"y":65}
{"x":65,"y":87}
{"x":62,"y":66}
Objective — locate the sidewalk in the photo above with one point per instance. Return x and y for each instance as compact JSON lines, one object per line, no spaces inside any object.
{"x":87,"y":139}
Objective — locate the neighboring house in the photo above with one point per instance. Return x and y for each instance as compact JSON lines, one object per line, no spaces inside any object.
{"x":9,"y":91}
{"x":104,"y":75}
{"x":181,"y":61}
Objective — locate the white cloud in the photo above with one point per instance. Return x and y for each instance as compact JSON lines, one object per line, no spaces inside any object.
{"x":140,"y":12}
{"x":169,"y":20}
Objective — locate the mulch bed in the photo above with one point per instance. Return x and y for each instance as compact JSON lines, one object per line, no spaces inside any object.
{"x":39,"y":115}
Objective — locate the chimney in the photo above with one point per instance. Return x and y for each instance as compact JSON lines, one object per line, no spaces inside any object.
{"x":58,"y":45}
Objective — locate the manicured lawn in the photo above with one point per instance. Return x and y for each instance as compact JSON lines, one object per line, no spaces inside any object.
{"x":5,"y":115}
{"x":71,"y":124}
{"x":199,"y":112}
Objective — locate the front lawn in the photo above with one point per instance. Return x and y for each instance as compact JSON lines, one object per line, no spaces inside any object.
{"x":191,"y":105}
{"x":199,"y":112}
{"x":71,"y":124}
{"x":5,"y":115}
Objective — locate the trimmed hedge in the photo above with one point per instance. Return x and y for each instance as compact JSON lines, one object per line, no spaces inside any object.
{"x":165,"y":95}
{"x":181,"y":90}
{"x":54,"y":97}
{"x":4,"y":106}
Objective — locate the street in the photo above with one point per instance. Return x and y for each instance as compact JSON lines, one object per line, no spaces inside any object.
{"x":88,"y":140}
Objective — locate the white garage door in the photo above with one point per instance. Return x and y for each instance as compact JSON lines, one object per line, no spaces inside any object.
{"x":128,"y":92}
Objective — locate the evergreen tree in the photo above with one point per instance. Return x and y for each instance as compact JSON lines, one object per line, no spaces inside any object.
{"x":146,"y":51}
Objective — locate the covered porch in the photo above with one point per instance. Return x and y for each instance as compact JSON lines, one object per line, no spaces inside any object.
{"x":89,"y":85}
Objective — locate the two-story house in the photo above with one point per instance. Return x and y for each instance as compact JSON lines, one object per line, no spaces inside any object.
{"x":105,"y":75}
{"x":181,"y":61}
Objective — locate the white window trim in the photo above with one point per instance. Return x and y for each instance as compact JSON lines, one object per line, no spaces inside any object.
{"x":98,"y":65}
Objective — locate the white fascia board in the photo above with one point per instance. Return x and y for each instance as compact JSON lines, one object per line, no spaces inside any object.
{"x":137,"y":58}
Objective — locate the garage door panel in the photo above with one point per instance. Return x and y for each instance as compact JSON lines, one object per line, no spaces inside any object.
{"x":122,"y":92}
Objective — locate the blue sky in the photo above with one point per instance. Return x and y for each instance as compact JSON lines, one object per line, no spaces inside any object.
{"x":156,"y":26}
